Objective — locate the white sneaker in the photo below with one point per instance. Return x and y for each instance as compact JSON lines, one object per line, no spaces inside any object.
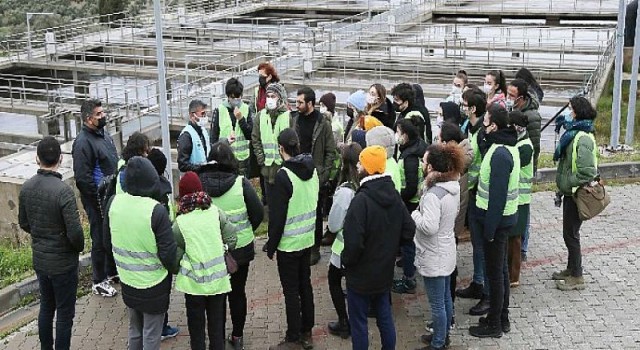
{"x":104,"y":289}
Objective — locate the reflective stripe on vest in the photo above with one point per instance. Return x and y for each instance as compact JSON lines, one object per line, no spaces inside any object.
{"x":135,"y":250}
{"x":474,"y":168}
{"x":526,"y":174}
{"x":574,"y":154}
{"x":202,"y":269}
{"x":338,"y":244}
{"x":232,"y":203}
{"x":394,"y":170}
{"x":240,"y":146}
{"x":482,"y":198}
{"x":403,"y":180}
{"x":299,"y":229}
{"x":199,"y":152}
{"x":269,"y":136}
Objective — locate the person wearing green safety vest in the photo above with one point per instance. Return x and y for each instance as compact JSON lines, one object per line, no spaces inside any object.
{"x":496,"y":214}
{"x":341,"y":199}
{"x":233,"y":121}
{"x":385,"y":137}
{"x":235,"y":195}
{"x":203,"y":234}
{"x":138,"y":231}
{"x":473,"y":106}
{"x":577,"y":156}
{"x":292,"y":216}
{"x":404,"y":96}
{"x":194,"y":142}
{"x":411,"y":149}
{"x":267,"y":125}
{"x":525,"y":151}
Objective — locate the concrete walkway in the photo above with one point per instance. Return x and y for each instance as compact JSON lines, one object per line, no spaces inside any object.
{"x":601,"y":317}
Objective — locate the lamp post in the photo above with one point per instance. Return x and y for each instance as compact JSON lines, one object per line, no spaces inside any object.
{"x":29,"y":15}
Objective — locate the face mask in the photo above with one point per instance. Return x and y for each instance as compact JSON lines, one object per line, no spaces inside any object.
{"x":568,"y":117}
{"x":487,"y":88}
{"x":350,"y":112}
{"x":272,"y":103}
{"x":456,"y":90}
{"x":323,"y":110}
{"x":399,"y":139}
{"x":235,"y":102}
{"x":510,"y":103}
{"x":102,"y":122}
{"x":203,"y":122}
{"x":371,"y":99}
{"x":263,"y":81}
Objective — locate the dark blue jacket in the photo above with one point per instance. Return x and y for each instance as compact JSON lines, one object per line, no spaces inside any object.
{"x":94,"y":157}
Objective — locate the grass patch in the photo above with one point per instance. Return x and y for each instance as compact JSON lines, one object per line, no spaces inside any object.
{"x":546,"y":159}
{"x":603,"y":121}
{"x":15,"y":262}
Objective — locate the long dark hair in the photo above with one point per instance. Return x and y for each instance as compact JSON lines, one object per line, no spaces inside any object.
{"x":350,"y":155}
{"x":223,"y":155}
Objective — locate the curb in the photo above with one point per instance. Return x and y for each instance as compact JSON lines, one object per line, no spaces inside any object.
{"x":607,"y":171}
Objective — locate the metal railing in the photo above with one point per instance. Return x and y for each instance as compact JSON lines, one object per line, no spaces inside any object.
{"x":528,"y":6}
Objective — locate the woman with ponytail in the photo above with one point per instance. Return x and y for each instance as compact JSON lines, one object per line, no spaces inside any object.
{"x":495,"y":86}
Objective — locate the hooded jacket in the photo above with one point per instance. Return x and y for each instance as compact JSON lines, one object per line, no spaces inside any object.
{"x":47,"y":210}
{"x":142,"y":180}
{"x":374,"y":227}
{"x":530,"y":109}
{"x":412,"y":153}
{"x":94,"y":157}
{"x":422,"y":107}
{"x":424,"y":129}
{"x":323,"y":146}
{"x":386,"y":114}
{"x":435,"y":220}
{"x":216,"y":182}
{"x":501,"y":165}
{"x":302,"y":166}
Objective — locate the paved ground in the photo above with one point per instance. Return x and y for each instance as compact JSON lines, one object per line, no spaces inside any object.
{"x":601,"y":317}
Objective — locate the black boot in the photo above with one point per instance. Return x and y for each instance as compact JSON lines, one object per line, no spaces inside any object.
{"x":506,"y":325}
{"x":340,"y":328}
{"x":481,"y":308}
{"x":474,"y":291}
{"x":485,"y":330}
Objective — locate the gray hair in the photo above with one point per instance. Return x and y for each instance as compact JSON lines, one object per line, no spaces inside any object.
{"x":87,"y":107}
{"x":194,"y":105}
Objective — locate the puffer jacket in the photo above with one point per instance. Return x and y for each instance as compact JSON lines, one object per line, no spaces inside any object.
{"x":94,"y":157}
{"x":586,"y":169}
{"x":435,"y":220}
{"x":530,"y":109}
{"x":47,"y":210}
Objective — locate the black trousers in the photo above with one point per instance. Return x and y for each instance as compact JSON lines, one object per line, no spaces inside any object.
{"x":571,"y":233}
{"x":238,"y":300}
{"x":322,"y":195}
{"x":497,"y":270}
{"x":334,"y":277}
{"x":207,"y":310}
{"x":295,"y":277}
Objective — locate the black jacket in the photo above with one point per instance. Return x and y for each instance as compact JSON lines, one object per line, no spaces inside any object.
{"x":142,"y":180}
{"x":282,"y":190}
{"x":412,"y":153}
{"x":246,"y":124}
{"x":185,"y":146}
{"x":323,"y":146}
{"x":422,"y":108}
{"x":216,"y":182}
{"x":94,"y":157}
{"x":47,"y":210}
{"x":386,"y":114}
{"x":374,"y":227}
{"x":501,"y":165}
{"x":424,"y":128}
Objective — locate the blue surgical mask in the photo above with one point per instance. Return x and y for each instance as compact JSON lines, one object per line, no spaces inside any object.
{"x":509,"y":104}
{"x":568,"y":117}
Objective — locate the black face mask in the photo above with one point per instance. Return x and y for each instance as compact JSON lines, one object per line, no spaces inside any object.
{"x":396,"y":107}
{"x":350,"y":112}
{"x":263,"y":81}
{"x":102,"y":122}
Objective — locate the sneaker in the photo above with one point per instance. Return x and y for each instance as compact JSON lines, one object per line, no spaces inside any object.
{"x":404,"y":286}
{"x":429,"y":326}
{"x":427,"y":338}
{"x":514,"y":284}
{"x":506,"y":325}
{"x":169,"y":332}
{"x":113,"y":279}
{"x":104,"y":289}
{"x":571,"y":283}
{"x":561,"y":275}
{"x":236,"y":342}
{"x":474,"y":291}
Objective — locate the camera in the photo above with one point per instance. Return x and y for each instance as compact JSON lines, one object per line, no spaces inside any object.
{"x":557,"y":201}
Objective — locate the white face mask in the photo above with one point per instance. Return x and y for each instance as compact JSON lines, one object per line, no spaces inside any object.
{"x":323,"y":110}
{"x":399,"y":139}
{"x":272,"y":103}
{"x":509,"y":104}
{"x":456,"y":90}
{"x":371,"y":99}
{"x":203,"y":122}
{"x":487,"y":88}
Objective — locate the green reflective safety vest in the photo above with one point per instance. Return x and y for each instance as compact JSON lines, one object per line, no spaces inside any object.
{"x":134,"y":244}
{"x":574,"y":154}
{"x":482,"y":198}
{"x":269,"y":136}
{"x":241,"y":145}
{"x":119,"y":189}
{"x":474,"y":168}
{"x":393,"y":169}
{"x":299,"y":229}
{"x":232,"y":203}
{"x":338,"y":244}
{"x":526,"y":175}
{"x":403,"y":180}
{"x":202,"y":269}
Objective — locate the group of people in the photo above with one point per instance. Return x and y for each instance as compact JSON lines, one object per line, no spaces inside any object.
{"x":393,"y":191}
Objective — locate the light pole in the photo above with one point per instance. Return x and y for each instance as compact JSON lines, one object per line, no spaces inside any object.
{"x":29,"y":15}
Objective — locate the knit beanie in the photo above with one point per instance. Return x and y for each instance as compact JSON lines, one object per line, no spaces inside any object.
{"x":189,"y":183}
{"x":329,"y":100}
{"x":359,"y":136}
{"x":358,"y":100}
{"x":374,"y":159}
{"x":371,"y":122}
{"x":382,"y":136}
{"x":279,"y":90}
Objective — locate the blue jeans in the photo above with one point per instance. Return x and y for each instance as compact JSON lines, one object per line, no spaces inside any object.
{"x":358,"y":308}
{"x":408,"y":258}
{"x":525,"y":236}
{"x":439,"y":295}
{"x":57,"y":296}
{"x":477,"y":242}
